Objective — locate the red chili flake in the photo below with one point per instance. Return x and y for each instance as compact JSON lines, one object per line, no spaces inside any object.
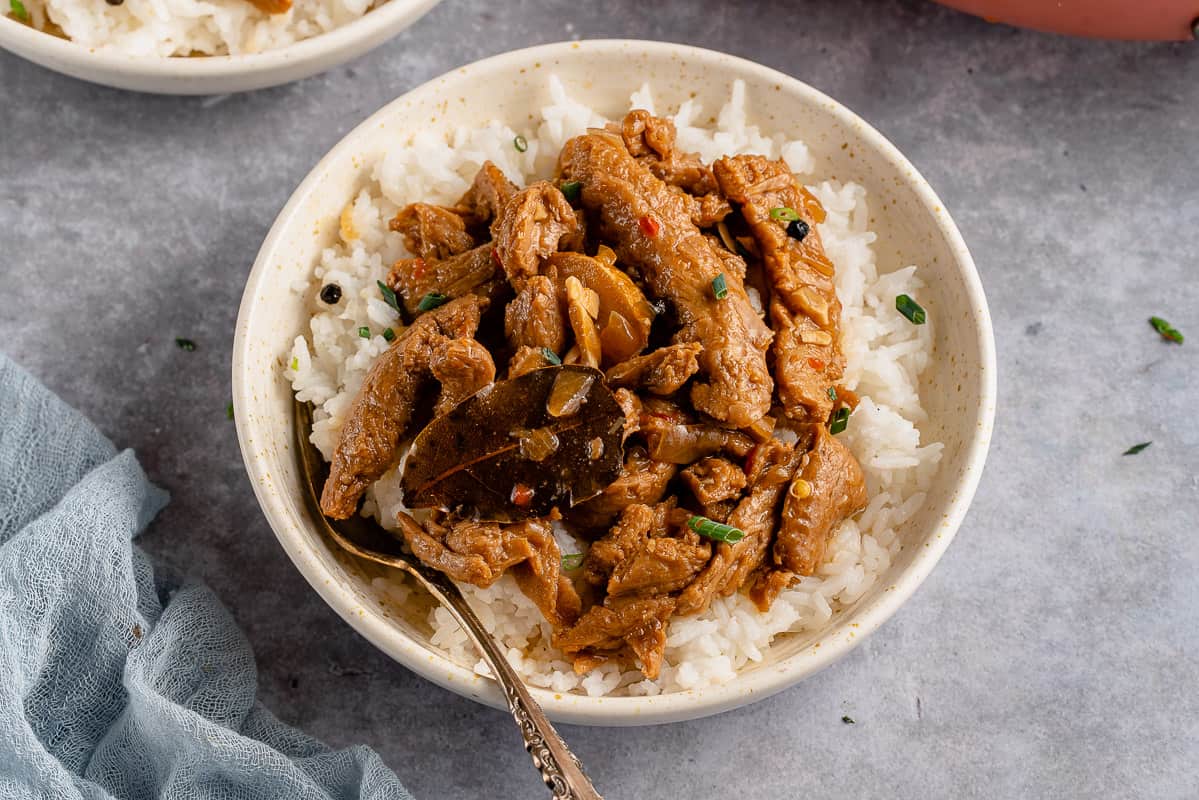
{"x":816,"y":364}
{"x":521,"y":495}
{"x":495,"y":256}
{"x":418,"y":268}
{"x":649,"y":226}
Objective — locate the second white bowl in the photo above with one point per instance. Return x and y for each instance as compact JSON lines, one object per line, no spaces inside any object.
{"x":214,"y":74}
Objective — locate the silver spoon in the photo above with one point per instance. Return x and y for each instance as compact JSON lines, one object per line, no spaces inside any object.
{"x":364,"y":538}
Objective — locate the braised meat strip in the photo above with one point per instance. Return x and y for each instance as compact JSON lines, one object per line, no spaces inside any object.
{"x":488,"y":193}
{"x":662,"y":372}
{"x":649,"y":226}
{"x":529,"y":228}
{"x":470,"y":272}
{"x":379,"y":417}
{"x":480,"y":552}
{"x":829,"y":487}
{"x":804,"y":310}
{"x":432,"y":232}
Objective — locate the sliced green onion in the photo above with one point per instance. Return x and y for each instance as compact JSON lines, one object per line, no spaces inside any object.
{"x":389,"y":334}
{"x":390,"y":296}
{"x":228,"y":411}
{"x":715,"y":530}
{"x":18,"y":10}
{"x":571,"y":190}
{"x":720,"y":287}
{"x":832,"y":394}
{"x":572,"y":561}
{"x":520,"y":143}
{"x":840,"y":421}
{"x":847,"y":720}
{"x":1136,"y":448}
{"x":295,"y":363}
{"x":185,"y":344}
{"x":910,"y":309}
{"x":431,"y":301}
{"x":550,"y":356}
{"x":782,"y":212}
{"x":1165,"y":330}
{"x":364,"y":332}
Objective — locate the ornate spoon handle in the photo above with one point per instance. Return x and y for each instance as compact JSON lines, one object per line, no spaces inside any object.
{"x":559,"y":767}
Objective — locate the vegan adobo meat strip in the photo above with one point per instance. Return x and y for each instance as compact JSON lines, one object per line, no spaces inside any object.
{"x":472,"y":272}
{"x":643,"y":480}
{"x":486,"y":196}
{"x":432,"y":232}
{"x":370,"y":435}
{"x":529,"y":228}
{"x":804,"y":310}
{"x":829,"y":487}
{"x":535,"y":318}
{"x":606,"y":630}
{"x":662,"y":372}
{"x":480,"y":552}
{"x":462,"y":367}
{"x":649,"y":226}
{"x":774,"y":464}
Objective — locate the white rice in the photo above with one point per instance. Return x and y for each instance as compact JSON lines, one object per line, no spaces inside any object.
{"x":188,"y":27}
{"x":885,"y":355}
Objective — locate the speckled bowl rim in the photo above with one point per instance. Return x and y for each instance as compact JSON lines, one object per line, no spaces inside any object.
{"x":762,"y":681}
{"x":207,"y":74}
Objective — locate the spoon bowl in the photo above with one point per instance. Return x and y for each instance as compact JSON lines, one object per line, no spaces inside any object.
{"x":364,"y":538}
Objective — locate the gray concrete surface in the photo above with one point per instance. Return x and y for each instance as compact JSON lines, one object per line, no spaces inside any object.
{"x":1054,"y":651}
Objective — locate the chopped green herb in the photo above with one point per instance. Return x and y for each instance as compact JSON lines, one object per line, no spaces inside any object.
{"x":715,"y":530}
{"x":910,"y":309}
{"x":840,"y":421}
{"x":364,"y":332}
{"x":571,"y":190}
{"x":798,"y":230}
{"x":550,"y":356}
{"x":848,"y":720}
{"x":295,"y":363}
{"x":390,"y":296}
{"x":1165,"y":330}
{"x":572,"y":561}
{"x":782,"y":212}
{"x":228,"y":411}
{"x":389,"y":334}
{"x":520,"y":143}
{"x":431,"y":301}
{"x":832,"y":394}
{"x":18,"y":10}
{"x":720,"y":287}
{"x":1136,"y":448}
{"x":185,"y":344}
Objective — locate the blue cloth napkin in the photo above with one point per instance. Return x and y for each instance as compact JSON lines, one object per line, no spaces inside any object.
{"x":113,"y":684}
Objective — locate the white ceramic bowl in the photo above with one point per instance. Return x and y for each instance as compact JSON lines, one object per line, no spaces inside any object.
{"x":214,"y":74}
{"x":958,"y":389}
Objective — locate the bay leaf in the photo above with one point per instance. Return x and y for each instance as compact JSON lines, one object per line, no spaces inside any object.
{"x":520,"y":447}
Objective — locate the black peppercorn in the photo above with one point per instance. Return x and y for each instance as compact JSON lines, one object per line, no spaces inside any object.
{"x":114,"y":2}
{"x":797,"y":229}
{"x":331,"y":293}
